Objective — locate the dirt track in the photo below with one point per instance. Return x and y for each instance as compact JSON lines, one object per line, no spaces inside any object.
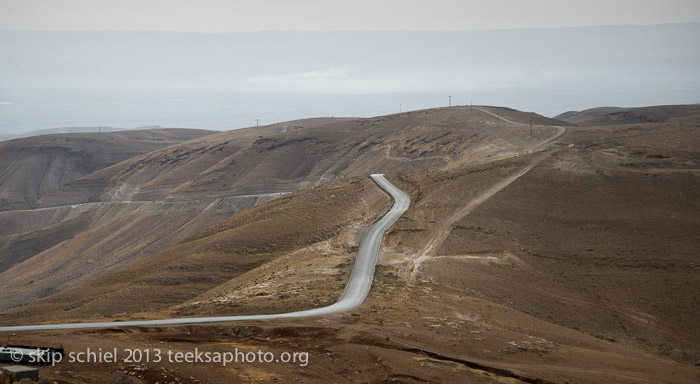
{"x":443,"y":229}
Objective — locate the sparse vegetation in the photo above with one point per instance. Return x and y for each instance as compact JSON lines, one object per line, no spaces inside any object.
{"x":606,"y":338}
{"x":595,"y":237}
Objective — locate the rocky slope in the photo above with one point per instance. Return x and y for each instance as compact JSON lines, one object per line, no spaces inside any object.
{"x":31,"y":168}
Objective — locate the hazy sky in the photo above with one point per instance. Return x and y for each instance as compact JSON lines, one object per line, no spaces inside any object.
{"x":224,"y":81}
{"x":324,"y":15}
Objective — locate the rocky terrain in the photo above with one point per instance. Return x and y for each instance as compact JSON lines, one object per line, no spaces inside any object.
{"x":527,"y":255}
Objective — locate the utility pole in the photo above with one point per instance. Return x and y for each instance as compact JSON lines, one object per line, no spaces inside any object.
{"x":257,"y":122}
{"x":450,"y":100}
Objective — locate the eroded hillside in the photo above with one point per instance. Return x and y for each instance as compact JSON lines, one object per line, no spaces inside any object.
{"x":616,"y":116}
{"x":182,"y":186}
{"x":287,"y":157}
{"x":33,"y":167}
{"x":567,"y":256}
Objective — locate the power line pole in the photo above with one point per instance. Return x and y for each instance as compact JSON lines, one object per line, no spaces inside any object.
{"x":257,"y":122}
{"x":450,"y":100}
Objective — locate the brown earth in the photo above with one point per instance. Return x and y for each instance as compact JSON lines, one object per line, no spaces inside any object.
{"x":617,"y":116}
{"x":246,"y":242}
{"x":87,"y":241}
{"x":574,"y":264}
{"x":33,"y":167}
{"x":70,"y":246}
{"x":286,"y":157}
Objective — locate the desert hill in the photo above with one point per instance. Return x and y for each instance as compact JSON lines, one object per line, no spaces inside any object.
{"x":304,"y":154}
{"x":215,"y":255}
{"x":81,"y":241}
{"x":574,"y":261}
{"x":96,"y":236}
{"x":618,"y":116}
{"x":599,"y":236}
{"x":33,"y":167}
{"x":253,"y":164}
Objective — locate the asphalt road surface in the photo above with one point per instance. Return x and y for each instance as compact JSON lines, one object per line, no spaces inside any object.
{"x":355,"y":292}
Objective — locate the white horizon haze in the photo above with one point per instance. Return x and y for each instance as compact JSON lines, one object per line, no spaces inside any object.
{"x":69,"y":63}
{"x":214,"y":16}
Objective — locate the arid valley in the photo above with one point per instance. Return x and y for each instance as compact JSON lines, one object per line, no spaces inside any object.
{"x":534,"y":249}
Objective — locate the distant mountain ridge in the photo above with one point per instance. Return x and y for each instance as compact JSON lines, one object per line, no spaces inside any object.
{"x":616,"y":115}
{"x":60,"y":130}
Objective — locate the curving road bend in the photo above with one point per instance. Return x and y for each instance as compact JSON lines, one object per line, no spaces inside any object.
{"x":355,"y":292}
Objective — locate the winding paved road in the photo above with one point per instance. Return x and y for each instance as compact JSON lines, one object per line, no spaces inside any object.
{"x":355,"y":292}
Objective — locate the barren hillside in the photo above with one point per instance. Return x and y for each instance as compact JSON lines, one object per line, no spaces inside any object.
{"x":179,"y":185}
{"x":33,"y":167}
{"x":571,"y":261}
{"x":217,"y":254}
{"x":617,"y":116}
{"x":287,"y":157}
